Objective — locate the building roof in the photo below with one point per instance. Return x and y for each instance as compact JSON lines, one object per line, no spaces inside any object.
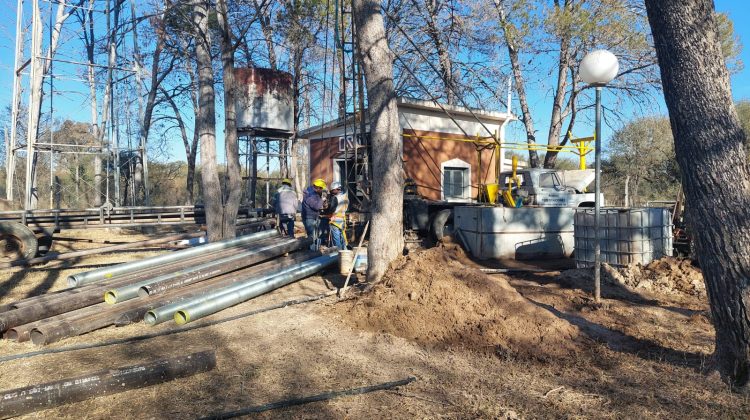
{"x":406,"y":104}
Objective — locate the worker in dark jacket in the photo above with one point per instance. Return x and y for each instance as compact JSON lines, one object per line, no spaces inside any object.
{"x":312,"y":204}
{"x":286,"y":205}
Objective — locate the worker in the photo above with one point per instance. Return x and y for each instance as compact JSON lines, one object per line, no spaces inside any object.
{"x":338,"y":203}
{"x":286,"y":205}
{"x":312,"y":204}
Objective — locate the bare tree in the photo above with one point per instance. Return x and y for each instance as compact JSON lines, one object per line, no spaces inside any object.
{"x":233,"y":186}
{"x":207,"y":121}
{"x":715,"y":175}
{"x":386,"y":238}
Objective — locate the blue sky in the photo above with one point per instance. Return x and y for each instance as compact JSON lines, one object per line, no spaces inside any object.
{"x":74,"y":105}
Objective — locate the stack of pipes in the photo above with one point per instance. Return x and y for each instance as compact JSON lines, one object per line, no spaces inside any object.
{"x":184,"y":285}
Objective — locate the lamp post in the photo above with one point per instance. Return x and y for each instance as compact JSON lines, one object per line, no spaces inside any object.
{"x":597,"y":69}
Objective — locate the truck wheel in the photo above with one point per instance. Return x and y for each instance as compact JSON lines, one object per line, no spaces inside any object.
{"x":17,"y":241}
{"x":439,"y":222}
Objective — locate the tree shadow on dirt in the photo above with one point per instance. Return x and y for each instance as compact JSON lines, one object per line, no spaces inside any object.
{"x":609,"y":290}
{"x":621,"y":342}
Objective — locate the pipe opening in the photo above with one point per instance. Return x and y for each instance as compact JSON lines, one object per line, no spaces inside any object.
{"x":12,"y":335}
{"x":110,"y":297}
{"x":143,"y":291}
{"x":149,"y":318}
{"x":72,"y":281}
{"x":37,"y":337}
{"x":181,"y":317}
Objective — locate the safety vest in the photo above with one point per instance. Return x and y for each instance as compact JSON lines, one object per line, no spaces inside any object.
{"x":339,"y":215}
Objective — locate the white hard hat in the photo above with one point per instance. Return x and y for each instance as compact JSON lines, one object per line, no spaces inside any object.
{"x":335,"y":186}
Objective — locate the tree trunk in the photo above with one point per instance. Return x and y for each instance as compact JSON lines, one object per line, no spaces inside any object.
{"x":528,"y":120}
{"x":207,"y":122}
{"x":231,"y":141}
{"x":87,"y":23}
{"x":265,"y":26}
{"x":556,"y":121}
{"x":715,"y":175}
{"x":444,"y":59}
{"x":386,"y":225}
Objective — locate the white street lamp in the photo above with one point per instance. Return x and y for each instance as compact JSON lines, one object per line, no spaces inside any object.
{"x":597,"y":69}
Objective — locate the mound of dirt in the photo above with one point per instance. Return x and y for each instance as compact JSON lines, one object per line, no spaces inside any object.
{"x":667,"y":276}
{"x":432,"y":298}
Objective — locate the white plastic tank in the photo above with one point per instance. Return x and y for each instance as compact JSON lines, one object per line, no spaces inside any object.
{"x":264,"y":100}
{"x":627,"y":235}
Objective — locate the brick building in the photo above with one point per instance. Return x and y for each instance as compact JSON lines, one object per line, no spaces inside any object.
{"x":449,"y":151}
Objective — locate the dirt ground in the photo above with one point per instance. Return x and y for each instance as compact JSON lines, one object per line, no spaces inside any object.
{"x":525,"y":346}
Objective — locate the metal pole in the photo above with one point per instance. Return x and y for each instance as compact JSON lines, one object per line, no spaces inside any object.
{"x":34,"y":97}
{"x":597,"y":199}
{"x":268,"y":172}
{"x":10,"y":167}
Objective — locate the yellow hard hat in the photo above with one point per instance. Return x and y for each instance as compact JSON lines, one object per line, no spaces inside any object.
{"x":320,"y":183}
{"x":286,"y":181}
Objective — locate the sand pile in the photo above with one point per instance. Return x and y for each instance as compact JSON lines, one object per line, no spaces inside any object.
{"x":669,"y":276}
{"x":430,"y":297}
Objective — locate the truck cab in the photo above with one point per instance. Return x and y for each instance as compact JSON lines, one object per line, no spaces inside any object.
{"x":550,"y":187}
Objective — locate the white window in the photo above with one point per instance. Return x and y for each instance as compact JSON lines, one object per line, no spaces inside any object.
{"x":456,"y":180}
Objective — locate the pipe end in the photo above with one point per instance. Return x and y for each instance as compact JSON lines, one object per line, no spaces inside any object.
{"x":37,"y":337}
{"x":181,"y":317}
{"x":11,"y":334}
{"x":72,"y":281}
{"x":150,"y":318}
{"x":143,"y":292}
{"x":110,"y":297}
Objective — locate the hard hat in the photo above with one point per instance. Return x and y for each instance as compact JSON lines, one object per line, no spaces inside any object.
{"x":319,"y":183}
{"x":335,"y":185}
{"x":286,"y":181}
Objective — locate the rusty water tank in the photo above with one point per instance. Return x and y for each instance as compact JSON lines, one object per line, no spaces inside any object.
{"x":264,"y":101}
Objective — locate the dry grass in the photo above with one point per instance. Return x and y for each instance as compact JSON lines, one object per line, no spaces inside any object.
{"x":645,"y":361}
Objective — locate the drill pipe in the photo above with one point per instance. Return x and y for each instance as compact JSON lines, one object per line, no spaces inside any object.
{"x":108,"y":272}
{"x":172,"y":295}
{"x":260,"y":255}
{"x":16,"y":402}
{"x":166,"y":312}
{"x":59,"y":305}
{"x":193,"y":273}
{"x":103,"y":285}
{"x":22,"y":333}
{"x":232,"y":295}
{"x":53,"y":329}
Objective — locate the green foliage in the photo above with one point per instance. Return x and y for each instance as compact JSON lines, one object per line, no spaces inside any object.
{"x":731,"y":46}
{"x":643,"y":153}
{"x":743,"y":111}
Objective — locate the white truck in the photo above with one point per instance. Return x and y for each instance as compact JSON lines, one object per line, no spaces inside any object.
{"x":550,"y":187}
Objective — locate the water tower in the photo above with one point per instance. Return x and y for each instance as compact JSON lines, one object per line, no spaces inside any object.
{"x":265,"y":123}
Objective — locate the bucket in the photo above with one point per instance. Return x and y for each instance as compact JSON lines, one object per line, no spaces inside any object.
{"x":360,"y":260}
{"x":346,"y":261}
{"x":492,"y":193}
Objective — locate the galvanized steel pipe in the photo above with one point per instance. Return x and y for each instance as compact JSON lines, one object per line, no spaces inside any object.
{"x":224,"y":298}
{"x":131,"y":291}
{"x":108,"y":272}
{"x":165,"y":313}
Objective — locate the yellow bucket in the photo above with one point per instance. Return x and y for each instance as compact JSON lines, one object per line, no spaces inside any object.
{"x":492,"y":193}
